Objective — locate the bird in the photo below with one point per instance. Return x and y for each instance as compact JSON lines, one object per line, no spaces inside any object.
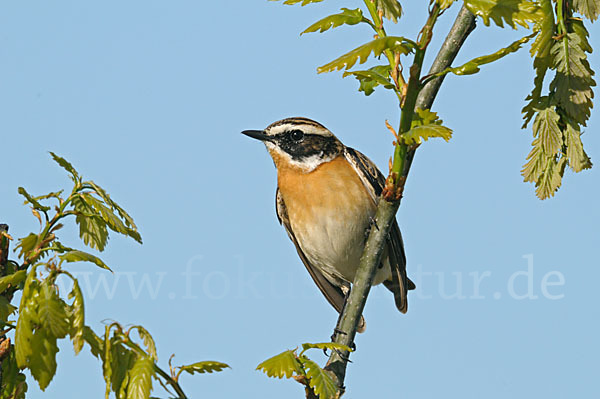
{"x":326,"y":199}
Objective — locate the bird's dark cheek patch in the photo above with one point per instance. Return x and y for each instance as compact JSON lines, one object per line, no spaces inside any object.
{"x":311,"y":145}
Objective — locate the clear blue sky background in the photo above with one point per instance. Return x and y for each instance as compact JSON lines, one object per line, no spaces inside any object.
{"x":148,"y":98}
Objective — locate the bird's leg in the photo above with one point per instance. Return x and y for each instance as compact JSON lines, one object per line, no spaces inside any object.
{"x":373,"y":223}
{"x":337,"y":330}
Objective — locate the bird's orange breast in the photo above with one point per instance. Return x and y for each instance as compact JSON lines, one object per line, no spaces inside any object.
{"x":333,"y":189}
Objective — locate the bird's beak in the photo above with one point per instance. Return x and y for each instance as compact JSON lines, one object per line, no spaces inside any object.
{"x":257,"y":134}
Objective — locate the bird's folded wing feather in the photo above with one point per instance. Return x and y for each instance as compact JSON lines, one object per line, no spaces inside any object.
{"x":374,"y":182}
{"x":334,"y":294}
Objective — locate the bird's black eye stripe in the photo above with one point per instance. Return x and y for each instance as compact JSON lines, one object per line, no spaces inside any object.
{"x":296,"y":135}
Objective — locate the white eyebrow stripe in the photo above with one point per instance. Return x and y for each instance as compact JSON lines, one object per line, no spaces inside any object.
{"x":307,"y":129}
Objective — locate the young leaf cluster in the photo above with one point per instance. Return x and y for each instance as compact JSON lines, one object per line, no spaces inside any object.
{"x":129,"y":366}
{"x":559,"y":117}
{"x":388,"y":76}
{"x":46,"y":315}
{"x":291,"y":364}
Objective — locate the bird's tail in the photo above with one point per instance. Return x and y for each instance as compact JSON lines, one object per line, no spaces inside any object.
{"x":400,"y":284}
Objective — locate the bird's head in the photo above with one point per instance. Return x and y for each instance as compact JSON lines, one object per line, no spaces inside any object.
{"x":298,"y":143}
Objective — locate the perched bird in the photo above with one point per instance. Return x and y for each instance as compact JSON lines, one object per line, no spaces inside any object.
{"x":326,"y":199}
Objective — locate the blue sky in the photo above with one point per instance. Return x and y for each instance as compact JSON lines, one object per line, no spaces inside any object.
{"x":148,"y":99}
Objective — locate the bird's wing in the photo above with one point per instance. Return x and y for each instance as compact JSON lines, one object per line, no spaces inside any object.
{"x":334,"y":294}
{"x":374,"y":182}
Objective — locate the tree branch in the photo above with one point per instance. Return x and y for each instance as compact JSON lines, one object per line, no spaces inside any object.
{"x":462,"y":27}
{"x":4,"y":340}
{"x":4,"y":242}
{"x":386,"y":210}
{"x":169,"y":380}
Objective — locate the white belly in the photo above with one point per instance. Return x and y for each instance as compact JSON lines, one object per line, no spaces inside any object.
{"x":335,"y":244}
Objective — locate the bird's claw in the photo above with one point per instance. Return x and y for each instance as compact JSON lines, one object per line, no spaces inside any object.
{"x":336,"y":331}
{"x":374,"y":222}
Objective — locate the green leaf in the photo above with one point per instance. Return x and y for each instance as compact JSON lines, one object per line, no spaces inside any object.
{"x":577,"y":157}
{"x":42,"y":363}
{"x":283,"y":365}
{"x":572,"y":85}
{"x":94,"y":341}
{"x":326,"y":345}
{"x":319,"y":380}
{"x":121,"y":361}
{"x":588,"y":8}
{"x":6,"y":308}
{"x":52,"y":312}
{"x":148,"y":341}
{"x":544,"y":167}
{"x":32,"y":201}
{"x":77,"y":317}
{"x":360,"y":54}
{"x":551,"y":179}
{"x":472,"y":66}
{"x":43,"y":318}
{"x":546,"y":127}
{"x":419,"y":133}
{"x":207,"y":366}
{"x":444,"y":4}
{"x":536,"y":162}
{"x":112,"y":221}
{"x":391,"y":9}
{"x":425,"y":117}
{"x":371,"y":78}
{"x":26,"y":244}
{"x":27,"y":318}
{"x":92,"y":228}
{"x":546,"y":28}
{"x":545,"y":130}
{"x":107,"y":371}
{"x":55,"y":194}
{"x":511,"y":12}
{"x":579,"y":29}
{"x":140,"y":378}
{"x":346,"y":17}
{"x":109,"y":201}
{"x":12,"y":280}
{"x":66,"y":166}
{"x":13,"y":381}
{"x":80,"y":256}
{"x":304,"y":2}
{"x":425,"y":124}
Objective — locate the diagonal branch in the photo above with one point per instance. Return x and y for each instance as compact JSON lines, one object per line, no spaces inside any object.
{"x":4,"y":341}
{"x":386,"y":210}
{"x":462,"y":27}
